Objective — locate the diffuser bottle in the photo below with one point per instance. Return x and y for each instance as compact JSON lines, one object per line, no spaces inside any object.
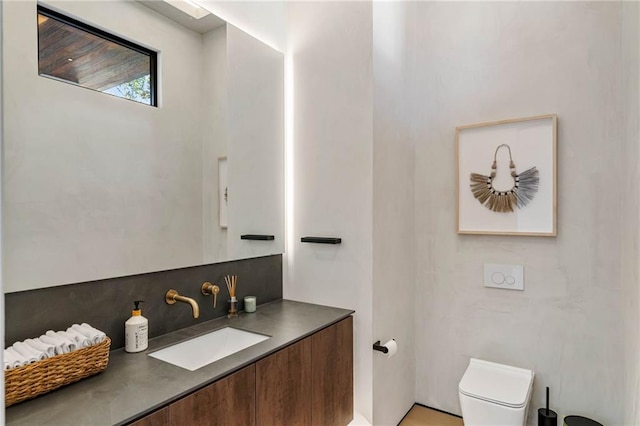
{"x":136,"y":330}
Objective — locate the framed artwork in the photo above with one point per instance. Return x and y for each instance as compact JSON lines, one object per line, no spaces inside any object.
{"x":223,"y":192}
{"x":507,"y":177}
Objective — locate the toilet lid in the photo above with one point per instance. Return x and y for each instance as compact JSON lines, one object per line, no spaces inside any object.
{"x":501,"y":384}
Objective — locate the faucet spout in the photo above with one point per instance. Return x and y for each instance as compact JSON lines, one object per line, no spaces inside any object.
{"x":172,"y":297}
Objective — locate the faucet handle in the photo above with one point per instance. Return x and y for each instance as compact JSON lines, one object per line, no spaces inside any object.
{"x":208,"y":288}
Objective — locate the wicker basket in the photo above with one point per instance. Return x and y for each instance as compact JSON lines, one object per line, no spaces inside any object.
{"x":27,"y":382}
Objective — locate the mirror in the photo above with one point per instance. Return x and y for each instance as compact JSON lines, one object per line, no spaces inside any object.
{"x":96,"y":186}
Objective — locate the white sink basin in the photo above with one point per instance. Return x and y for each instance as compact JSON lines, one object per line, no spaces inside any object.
{"x":202,"y":350}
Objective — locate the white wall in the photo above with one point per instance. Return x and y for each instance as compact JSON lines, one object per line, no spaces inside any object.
{"x":82,"y":164}
{"x":393,"y":221}
{"x":1,"y":231}
{"x":466,"y":63}
{"x":215,"y":138}
{"x":333,"y":167}
{"x":631,"y":238}
{"x":255,"y":78}
{"x":478,"y":62}
{"x":264,"y":20}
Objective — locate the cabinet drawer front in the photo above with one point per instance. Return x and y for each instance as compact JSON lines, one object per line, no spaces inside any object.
{"x":332,"y":375}
{"x":283,"y":386}
{"x":227,"y":402}
{"x":157,"y":418}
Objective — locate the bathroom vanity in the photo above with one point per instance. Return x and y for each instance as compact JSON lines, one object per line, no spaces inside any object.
{"x":303,"y":374}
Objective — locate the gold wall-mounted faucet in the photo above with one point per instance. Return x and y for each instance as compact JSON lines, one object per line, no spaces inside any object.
{"x":172,"y":297}
{"x":208,"y":288}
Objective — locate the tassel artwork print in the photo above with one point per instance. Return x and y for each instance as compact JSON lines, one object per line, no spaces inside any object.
{"x":525,"y":186}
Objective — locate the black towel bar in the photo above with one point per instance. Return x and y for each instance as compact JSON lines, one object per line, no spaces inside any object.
{"x":257,"y":237}
{"x":321,"y":240}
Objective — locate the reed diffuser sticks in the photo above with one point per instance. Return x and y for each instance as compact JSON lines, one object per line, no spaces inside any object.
{"x":231,"y":281}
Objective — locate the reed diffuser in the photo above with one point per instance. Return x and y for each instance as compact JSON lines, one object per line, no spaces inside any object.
{"x":232,"y":281}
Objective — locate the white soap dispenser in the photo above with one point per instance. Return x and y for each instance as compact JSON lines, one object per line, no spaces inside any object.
{"x":136,"y":330}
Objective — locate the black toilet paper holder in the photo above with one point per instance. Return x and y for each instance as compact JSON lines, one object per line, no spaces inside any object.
{"x":378,"y":347}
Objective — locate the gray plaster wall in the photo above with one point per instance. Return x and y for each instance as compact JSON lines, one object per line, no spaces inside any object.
{"x":393,"y":221}
{"x":1,"y":293}
{"x":478,"y":62}
{"x":332,"y":195}
{"x":631,"y":238}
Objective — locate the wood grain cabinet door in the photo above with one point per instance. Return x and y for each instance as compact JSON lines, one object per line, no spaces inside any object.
{"x":157,"y":418}
{"x":283,"y":386}
{"x":228,"y":402}
{"x":332,"y":375}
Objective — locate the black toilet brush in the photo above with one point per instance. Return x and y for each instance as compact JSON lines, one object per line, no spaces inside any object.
{"x":547,"y":417}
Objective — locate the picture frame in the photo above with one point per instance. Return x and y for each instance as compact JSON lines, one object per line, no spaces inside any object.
{"x":531,"y":142}
{"x":223,"y":192}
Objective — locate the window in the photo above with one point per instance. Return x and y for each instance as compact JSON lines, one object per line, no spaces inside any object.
{"x":76,"y":53}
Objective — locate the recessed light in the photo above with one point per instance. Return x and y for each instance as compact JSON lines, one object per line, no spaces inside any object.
{"x":193,"y":3}
{"x":70,"y":60}
{"x":189,"y":7}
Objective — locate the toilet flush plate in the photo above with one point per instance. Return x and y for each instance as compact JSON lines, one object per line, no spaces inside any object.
{"x":508,"y":277}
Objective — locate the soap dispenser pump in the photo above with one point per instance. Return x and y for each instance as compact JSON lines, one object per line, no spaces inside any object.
{"x":136,"y":330}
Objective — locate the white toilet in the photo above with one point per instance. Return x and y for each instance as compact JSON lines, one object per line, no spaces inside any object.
{"x":495,"y":394}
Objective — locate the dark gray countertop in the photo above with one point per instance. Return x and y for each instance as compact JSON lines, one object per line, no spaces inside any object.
{"x":137,"y":384}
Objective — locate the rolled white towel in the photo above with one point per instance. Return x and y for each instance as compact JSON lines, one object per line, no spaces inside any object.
{"x":61,"y":346}
{"x":25,"y":350}
{"x":67,"y":339}
{"x":94,"y":334}
{"x":73,"y":344}
{"x":24,"y":353}
{"x":11,"y":359}
{"x":82,"y":330}
{"x":39,"y":345}
{"x":81,"y":340}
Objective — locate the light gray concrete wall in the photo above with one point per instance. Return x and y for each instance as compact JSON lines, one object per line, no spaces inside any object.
{"x":478,"y":62}
{"x":266,"y":21}
{"x":330,"y":43}
{"x":631,"y":199}
{"x":255,"y":97}
{"x":1,"y":230}
{"x":214,"y":140}
{"x":393,"y":221}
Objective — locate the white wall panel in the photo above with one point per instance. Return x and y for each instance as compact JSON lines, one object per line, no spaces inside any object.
{"x":631,"y":223}
{"x":478,"y":62}
{"x":330,"y":44}
{"x":393,"y":221}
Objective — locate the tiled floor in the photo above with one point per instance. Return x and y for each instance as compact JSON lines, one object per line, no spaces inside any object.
{"x":422,"y":416}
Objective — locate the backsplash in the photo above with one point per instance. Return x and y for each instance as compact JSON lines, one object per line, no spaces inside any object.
{"x":107,"y":304}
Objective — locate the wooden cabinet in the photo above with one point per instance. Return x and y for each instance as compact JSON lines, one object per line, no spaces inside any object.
{"x":157,"y":418}
{"x":283,"y":386}
{"x":227,"y":402}
{"x":332,"y":375}
{"x":308,"y":383}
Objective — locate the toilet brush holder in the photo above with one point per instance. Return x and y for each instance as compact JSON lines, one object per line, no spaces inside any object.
{"x":547,"y":417}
